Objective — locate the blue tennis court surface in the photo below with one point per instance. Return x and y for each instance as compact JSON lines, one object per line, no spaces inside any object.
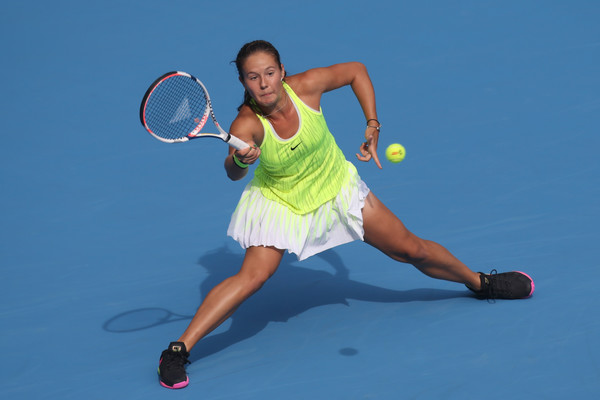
{"x":110,"y":239}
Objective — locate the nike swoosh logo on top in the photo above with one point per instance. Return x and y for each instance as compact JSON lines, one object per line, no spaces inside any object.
{"x":294,"y":148}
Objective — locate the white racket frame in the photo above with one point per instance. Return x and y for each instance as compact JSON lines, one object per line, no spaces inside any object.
{"x":196,"y":132}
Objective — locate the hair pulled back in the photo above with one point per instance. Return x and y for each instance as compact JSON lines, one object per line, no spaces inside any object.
{"x":246,"y":51}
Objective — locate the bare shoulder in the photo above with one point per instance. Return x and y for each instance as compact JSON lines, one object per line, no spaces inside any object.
{"x":307,"y":86}
{"x":316,"y":81}
{"x":305,"y":83}
{"x":247,"y":127}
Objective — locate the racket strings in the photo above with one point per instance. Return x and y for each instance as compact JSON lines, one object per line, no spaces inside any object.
{"x":176,"y":107}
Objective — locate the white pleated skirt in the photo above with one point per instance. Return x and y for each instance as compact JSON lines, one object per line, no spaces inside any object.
{"x":258,"y":221}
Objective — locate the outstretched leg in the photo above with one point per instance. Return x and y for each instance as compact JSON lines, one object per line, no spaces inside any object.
{"x":385,"y":231}
{"x":259,"y":265}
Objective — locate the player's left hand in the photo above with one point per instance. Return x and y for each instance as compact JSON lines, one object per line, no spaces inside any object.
{"x":368,"y":149}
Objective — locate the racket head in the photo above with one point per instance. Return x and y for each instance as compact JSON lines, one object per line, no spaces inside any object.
{"x":175,"y":107}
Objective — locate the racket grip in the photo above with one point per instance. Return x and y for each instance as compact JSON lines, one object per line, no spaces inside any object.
{"x":237,"y":143}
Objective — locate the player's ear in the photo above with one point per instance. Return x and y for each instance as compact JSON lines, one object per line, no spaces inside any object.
{"x":282,"y":72}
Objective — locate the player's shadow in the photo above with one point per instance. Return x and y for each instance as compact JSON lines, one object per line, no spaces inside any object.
{"x":291,"y":291}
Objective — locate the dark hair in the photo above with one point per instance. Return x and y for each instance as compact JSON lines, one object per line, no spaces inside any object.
{"x":246,"y":51}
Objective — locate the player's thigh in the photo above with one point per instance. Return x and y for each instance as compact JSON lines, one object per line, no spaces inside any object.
{"x":261,"y":262}
{"x":386,"y":232}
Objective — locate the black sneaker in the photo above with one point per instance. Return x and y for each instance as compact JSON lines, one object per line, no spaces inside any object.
{"x":171,"y":368}
{"x":507,"y":285}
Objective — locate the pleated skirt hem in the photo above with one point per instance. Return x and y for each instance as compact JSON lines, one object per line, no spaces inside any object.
{"x":259,"y":221}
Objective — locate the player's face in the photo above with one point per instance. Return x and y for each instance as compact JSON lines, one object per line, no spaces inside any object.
{"x":262,"y":79}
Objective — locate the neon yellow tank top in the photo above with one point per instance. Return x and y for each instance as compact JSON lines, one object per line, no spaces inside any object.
{"x":306,"y":170}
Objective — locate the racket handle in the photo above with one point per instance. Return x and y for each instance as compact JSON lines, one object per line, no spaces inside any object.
{"x":237,"y":143}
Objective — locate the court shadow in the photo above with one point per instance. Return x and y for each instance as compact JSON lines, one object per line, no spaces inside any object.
{"x":142,"y":318}
{"x":291,"y":291}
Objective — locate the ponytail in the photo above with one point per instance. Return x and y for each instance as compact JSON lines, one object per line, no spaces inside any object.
{"x":247,"y":100}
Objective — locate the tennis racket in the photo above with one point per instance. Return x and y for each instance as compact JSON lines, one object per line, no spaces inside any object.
{"x":176,"y":107}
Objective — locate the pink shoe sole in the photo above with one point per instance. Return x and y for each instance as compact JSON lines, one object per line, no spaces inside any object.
{"x":179,"y":385}
{"x":532,"y":284}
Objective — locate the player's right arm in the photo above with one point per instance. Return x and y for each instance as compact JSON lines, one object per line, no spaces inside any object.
{"x":248,"y":128}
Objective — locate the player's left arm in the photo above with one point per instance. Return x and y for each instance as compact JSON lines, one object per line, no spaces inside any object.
{"x":313,"y":83}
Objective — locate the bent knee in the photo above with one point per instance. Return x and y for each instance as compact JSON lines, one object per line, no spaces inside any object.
{"x":255,"y":280}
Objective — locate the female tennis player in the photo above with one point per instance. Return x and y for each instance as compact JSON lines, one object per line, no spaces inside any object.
{"x":305,"y":197}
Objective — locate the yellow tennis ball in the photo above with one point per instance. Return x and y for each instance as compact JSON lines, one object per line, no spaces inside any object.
{"x":395,"y":153}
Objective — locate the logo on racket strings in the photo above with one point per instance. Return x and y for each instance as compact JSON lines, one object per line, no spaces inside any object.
{"x":183,"y":112}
